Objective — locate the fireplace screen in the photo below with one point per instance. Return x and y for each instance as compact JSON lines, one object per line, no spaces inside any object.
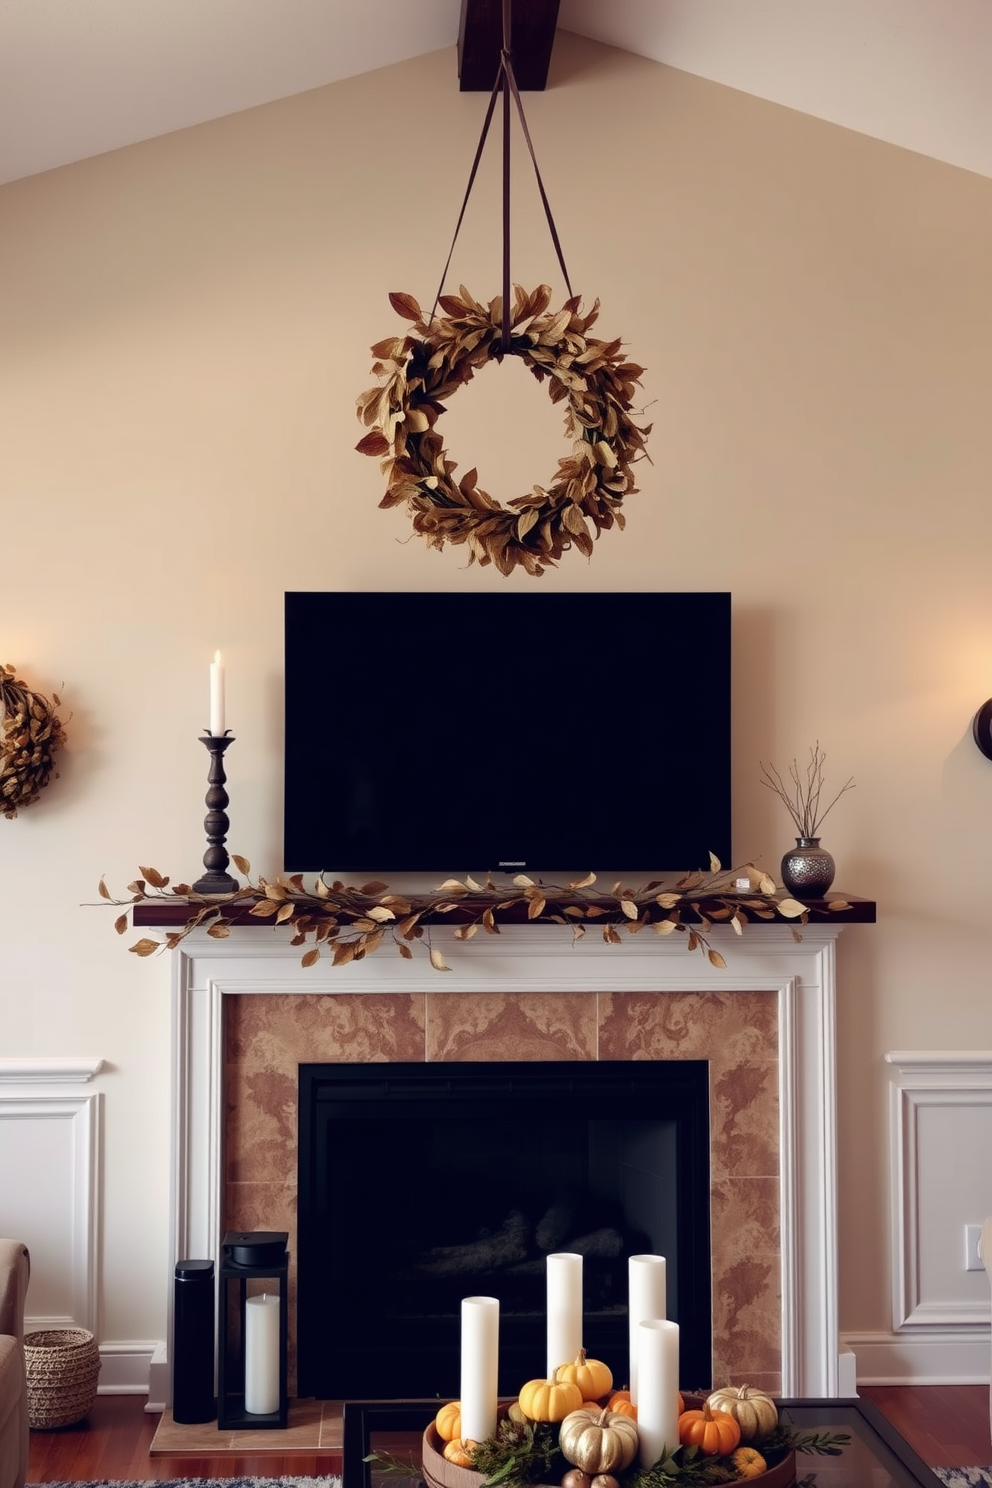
{"x":421,"y":1184}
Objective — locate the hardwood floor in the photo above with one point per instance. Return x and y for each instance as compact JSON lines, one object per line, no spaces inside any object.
{"x":947,"y":1425}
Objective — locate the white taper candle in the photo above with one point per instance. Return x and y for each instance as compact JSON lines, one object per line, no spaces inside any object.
{"x":658,"y":1377}
{"x":217,"y":723}
{"x":564,"y":1273}
{"x":647,"y":1298}
{"x":480,"y":1367}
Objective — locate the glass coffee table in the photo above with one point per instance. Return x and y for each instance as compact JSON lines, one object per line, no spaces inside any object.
{"x":875,"y":1457}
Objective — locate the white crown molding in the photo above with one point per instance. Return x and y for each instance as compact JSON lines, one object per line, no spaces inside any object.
{"x":41,"y":1070}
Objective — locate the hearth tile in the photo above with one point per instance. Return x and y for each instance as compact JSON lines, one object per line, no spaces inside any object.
{"x":688,"y":1025}
{"x":744,"y":1214}
{"x":747,"y":1315}
{"x":506,"y":1026}
{"x":332,"y":1426}
{"x":744,"y":1118}
{"x":644,"y":1025}
{"x":260,"y":1123}
{"x":261,"y":1206}
{"x":305,"y":1430}
{"x":280,"y":1031}
{"x":769,"y":1380}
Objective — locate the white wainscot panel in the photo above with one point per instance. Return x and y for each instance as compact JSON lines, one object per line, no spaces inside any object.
{"x":48,"y":1199}
{"x":941,"y":1109}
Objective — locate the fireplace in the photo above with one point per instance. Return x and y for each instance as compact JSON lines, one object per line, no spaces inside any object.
{"x":246,"y":1016}
{"x":420,"y":1184}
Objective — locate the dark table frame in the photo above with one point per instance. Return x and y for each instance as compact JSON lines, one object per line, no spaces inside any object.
{"x":363,"y":1417}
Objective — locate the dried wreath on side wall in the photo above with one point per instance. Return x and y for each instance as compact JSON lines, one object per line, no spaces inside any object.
{"x":30,"y":734}
{"x":592,"y":377}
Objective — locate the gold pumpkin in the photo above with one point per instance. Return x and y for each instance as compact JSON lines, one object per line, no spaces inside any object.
{"x":748,"y":1462}
{"x":593,"y":1377}
{"x":460,"y":1452}
{"x":754,"y":1411}
{"x":550,"y":1399}
{"x":598,"y":1440}
{"x":448,"y":1421}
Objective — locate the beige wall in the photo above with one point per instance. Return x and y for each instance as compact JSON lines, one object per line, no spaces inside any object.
{"x":184,"y":328}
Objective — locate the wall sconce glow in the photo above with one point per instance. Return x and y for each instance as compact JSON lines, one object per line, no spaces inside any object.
{"x":981,"y":728}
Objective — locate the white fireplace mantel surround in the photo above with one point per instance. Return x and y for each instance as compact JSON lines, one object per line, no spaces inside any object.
{"x":538,"y":959}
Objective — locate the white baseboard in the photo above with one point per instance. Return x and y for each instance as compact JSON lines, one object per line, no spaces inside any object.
{"x":125,"y":1366}
{"x":942,"y":1357}
{"x":159,"y":1380}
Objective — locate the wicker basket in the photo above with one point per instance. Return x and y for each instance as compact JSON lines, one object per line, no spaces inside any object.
{"x":63,"y":1366}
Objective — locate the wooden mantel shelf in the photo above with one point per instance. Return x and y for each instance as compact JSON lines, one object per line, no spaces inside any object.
{"x":154,"y":912}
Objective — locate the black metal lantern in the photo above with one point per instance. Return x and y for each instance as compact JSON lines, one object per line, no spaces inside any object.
{"x":252,"y":1328}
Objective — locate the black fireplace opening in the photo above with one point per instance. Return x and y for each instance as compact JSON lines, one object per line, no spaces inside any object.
{"x":422,"y":1184}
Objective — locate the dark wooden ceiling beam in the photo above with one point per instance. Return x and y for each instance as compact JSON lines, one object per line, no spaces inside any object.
{"x":480,"y":38}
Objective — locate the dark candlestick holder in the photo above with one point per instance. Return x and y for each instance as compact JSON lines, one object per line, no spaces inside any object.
{"x":216,"y":880}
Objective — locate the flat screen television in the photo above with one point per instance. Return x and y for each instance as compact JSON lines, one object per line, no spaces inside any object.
{"x":540,"y":732}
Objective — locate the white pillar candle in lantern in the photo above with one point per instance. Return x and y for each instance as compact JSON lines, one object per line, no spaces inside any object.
{"x":261,"y":1355}
{"x":647,"y":1298}
{"x":217,"y":724}
{"x":564,"y":1308}
{"x":480,"y":1367}
{"x":658,"y":1379}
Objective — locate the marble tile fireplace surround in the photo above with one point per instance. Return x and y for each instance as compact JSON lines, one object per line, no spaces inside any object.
{"x":246,"y":1015}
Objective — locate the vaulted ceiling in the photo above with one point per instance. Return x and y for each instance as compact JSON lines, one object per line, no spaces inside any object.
{"x":78,"y":77}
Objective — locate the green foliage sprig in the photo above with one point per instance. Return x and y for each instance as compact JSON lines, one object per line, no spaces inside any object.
{"x":521,"y":1453}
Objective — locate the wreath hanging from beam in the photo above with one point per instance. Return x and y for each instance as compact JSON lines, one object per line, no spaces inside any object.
{"x":418,"y":372}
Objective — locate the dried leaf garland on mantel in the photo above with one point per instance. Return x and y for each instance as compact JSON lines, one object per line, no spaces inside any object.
{"x":30,"y":734}
{"x":353,"y":922}
{"x":594,"y":380}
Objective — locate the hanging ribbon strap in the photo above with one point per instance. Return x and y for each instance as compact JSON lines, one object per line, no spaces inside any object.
{"x":506,"y":84}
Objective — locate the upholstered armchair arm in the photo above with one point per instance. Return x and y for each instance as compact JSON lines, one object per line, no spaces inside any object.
{"x":14,"y":1272}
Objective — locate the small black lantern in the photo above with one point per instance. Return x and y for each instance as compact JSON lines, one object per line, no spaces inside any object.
{"x":252,"y":1328}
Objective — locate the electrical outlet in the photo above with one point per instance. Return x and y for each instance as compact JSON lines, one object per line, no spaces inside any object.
{"x":972,"y":1248}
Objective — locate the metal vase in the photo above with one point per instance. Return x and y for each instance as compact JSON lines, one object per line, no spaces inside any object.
{"x":808,"y":870}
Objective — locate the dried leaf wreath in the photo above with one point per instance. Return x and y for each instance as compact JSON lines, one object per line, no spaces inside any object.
{"x":592,"y":377}
{"x":30,"y":734}
{"x":353,"y":922}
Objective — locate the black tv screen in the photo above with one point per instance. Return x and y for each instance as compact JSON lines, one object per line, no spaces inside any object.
{"x":539,"y":732}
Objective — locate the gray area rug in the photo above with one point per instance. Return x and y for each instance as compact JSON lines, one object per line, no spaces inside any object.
{"x":965,"y":1477}
{"x":291,"y":1482}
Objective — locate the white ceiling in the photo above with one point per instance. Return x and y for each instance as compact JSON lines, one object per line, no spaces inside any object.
{"x":78,"y":77}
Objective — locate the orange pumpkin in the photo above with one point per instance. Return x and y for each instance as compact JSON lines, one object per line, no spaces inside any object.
{"x":593,"y":1377}
{"x":460,"y":1452}
{"x":550,"y":1399}
{"x":448,"y":1421}
{"x":714,"y":1432}
{"x":621,"y":1403}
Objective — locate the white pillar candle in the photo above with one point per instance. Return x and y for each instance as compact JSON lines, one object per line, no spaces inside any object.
{"x":658,"y":1376}
{"x":564,"y":1272}
{"x":262,"y":1355}
{"x":480,"y":1367}
{"x":217,"y":724}
{"x":646,"y":1299}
